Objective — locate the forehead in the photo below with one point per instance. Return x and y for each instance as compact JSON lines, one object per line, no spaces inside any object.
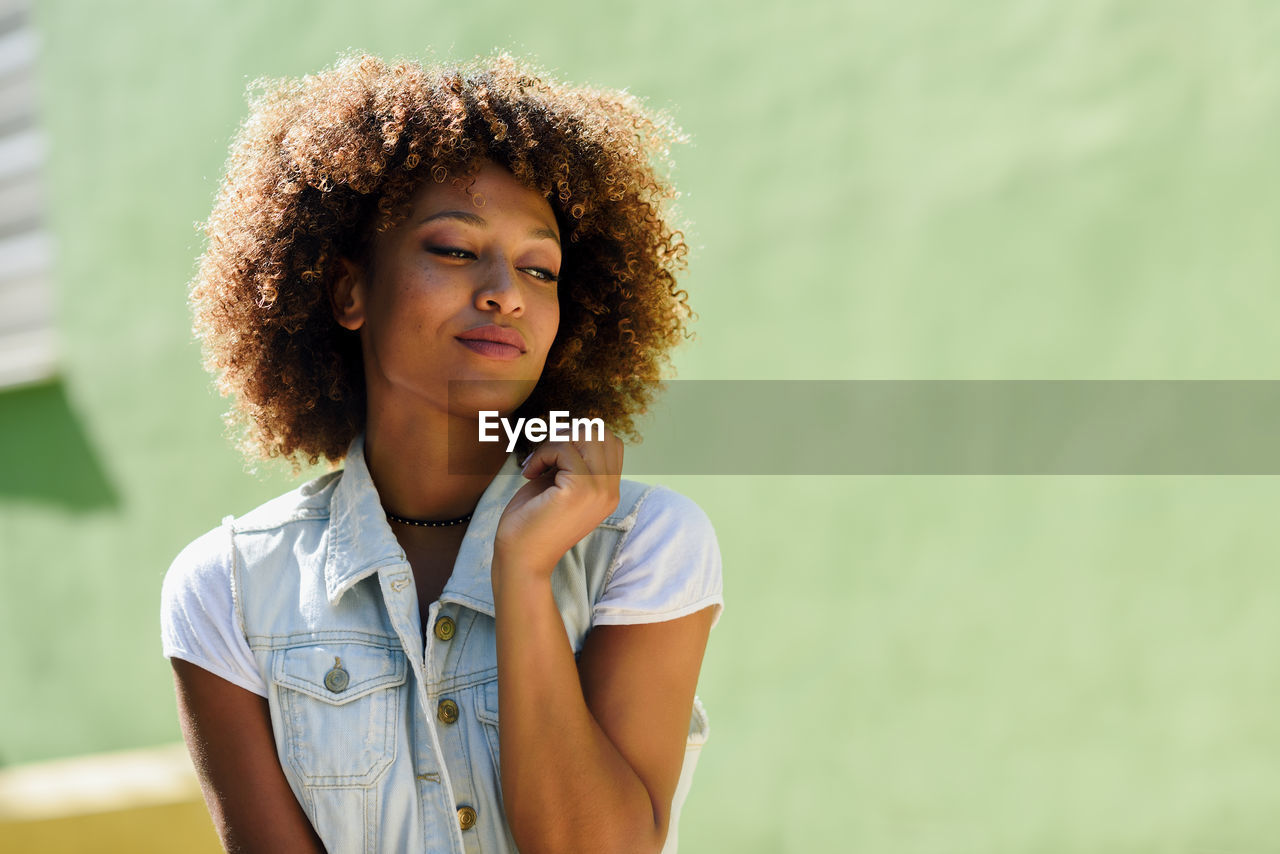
{"x":491,"y":193}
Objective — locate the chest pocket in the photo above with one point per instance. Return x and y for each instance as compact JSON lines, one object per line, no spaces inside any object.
{"x":339,"y":704}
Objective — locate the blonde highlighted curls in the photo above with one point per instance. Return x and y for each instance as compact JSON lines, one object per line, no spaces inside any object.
{"x":323,"y":163}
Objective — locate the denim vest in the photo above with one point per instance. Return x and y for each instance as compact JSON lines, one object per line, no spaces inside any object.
{"x":389,"y":738}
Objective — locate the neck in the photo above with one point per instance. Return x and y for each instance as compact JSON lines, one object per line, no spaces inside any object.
{"x":409,"y":455}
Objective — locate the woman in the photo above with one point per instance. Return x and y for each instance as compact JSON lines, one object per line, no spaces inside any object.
{"x":444,"y":646}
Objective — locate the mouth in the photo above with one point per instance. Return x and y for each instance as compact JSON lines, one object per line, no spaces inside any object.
{"x":491,"y":349}
{"x":497,"y":334}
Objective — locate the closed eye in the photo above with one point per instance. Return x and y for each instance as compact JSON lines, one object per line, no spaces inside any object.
{"x":450,"y":252}
{"x":544,"y":275}
{"x":540,"y":273}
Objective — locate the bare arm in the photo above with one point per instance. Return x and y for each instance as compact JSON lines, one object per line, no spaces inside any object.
{"x":228,"y":731}
{"x":591,"y":754}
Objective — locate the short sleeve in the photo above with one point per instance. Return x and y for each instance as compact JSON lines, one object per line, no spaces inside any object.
{"x":667,"y":566}
{"x":197,"y":613}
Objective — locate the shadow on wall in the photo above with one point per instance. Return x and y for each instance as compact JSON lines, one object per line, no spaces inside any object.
{"x":45,"y":454}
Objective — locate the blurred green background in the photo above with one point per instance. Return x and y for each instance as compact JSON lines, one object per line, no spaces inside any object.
{"x":930,"y":190}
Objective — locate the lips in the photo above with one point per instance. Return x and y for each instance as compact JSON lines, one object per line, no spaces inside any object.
{"x":499,"y":342}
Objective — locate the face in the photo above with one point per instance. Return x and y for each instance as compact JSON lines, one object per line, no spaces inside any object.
{"x":464,"y":289}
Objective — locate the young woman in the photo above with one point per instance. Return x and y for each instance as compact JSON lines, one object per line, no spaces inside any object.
{"x":443,"y":646}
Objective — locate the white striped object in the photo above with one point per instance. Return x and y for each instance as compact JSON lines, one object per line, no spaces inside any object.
{"x":27,"y":340}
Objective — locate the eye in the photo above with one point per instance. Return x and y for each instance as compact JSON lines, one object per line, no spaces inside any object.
{"x":450,"y":252}
{"x":543,"y":275}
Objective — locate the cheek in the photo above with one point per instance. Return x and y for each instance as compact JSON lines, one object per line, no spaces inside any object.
{"x":553,"y":322}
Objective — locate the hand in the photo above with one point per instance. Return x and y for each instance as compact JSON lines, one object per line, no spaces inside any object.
{"x":573,"y":486}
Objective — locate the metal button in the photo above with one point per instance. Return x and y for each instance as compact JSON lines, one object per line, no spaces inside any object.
{"x":466,"y":818}
{"x":337,"y":679}
{"x":444,"y":628}
{"x":447,"y":711}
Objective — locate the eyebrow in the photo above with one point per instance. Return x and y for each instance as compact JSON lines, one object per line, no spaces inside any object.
{"x":480,"y":222}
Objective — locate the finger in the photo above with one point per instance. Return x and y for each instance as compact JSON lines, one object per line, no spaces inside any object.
{"x":553,"y":457}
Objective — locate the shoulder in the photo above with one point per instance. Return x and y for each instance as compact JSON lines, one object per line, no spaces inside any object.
{"x":667,"y":564}
{"x":198,"y":618}
{"x":664,"y":508}
{"x":662,"y":516}
{"x":308,"y":501}
{"x":202,"y":618}
{"x":205,"y":564}
{"x":645,"y":505}
{"x":205,"y":560}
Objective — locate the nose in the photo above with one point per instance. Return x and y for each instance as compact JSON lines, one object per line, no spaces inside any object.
{"x":500,"y":290}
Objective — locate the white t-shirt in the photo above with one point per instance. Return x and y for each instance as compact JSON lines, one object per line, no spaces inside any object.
{"x":668,"y":566}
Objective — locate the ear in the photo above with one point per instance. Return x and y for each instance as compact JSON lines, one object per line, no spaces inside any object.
{"x":347,"y":296}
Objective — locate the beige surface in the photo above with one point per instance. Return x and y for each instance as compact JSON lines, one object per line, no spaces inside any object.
{"x":136,"y":801}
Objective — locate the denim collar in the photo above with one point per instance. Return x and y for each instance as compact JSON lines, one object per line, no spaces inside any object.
{"x":361,"y":542}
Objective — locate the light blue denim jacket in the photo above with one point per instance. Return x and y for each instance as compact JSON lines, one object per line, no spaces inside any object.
{"x":386,"y":735}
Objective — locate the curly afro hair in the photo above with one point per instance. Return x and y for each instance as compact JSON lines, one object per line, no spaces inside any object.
{"x":323,"y":163}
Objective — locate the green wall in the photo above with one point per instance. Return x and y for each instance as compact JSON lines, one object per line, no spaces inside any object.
{"x":991,"y":190}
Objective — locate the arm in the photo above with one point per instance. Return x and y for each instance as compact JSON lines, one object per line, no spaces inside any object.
{"x":591,"y":754}
{"x":228,"y":731}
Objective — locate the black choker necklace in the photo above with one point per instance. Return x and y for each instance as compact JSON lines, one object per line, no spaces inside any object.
{"x":427,"y":523}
